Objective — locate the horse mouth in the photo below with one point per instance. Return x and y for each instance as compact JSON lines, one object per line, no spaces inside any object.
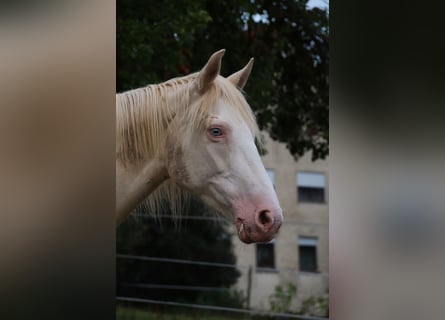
{"x":243,"y":234}
{"x":248,"y":234}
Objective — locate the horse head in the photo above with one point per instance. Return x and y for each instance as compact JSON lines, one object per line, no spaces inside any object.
{"x":216,"y":159}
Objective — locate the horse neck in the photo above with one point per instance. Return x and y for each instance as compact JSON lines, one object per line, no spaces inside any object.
{"x":135,"y":183}
{"x":144,"y":115}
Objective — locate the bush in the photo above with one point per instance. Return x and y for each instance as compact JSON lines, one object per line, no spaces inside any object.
{"x":281,"y":300}
{"x":316,"y":306}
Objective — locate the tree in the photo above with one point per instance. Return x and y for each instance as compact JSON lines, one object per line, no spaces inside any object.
{"x":288,"y":88}
{"x":151,"y":37}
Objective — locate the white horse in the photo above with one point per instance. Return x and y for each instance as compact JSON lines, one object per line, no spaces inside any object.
{"x":195,"y":135}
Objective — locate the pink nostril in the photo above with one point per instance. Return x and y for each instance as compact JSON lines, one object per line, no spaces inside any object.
{"x":265,"y":219}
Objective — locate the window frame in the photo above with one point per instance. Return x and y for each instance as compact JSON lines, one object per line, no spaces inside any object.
{"x":311,"y":242}
{"x":306,"y":187}
{"x":271,"y":245}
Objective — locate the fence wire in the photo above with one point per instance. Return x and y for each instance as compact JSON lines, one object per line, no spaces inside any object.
{"x":206,"y":263}
{"x":200,"y":288}
{"x":209,"y":264}
{"x":173,"y":287}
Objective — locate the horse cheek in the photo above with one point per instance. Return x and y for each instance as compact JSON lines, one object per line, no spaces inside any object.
{"x":176,"y":167}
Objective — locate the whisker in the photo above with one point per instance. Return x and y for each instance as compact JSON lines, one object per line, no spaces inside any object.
{"x":241,"y":228}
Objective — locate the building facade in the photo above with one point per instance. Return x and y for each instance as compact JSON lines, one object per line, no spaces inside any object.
{"x":299,"y":253}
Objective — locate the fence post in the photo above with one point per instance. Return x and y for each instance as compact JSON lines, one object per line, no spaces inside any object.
{"x":249,"y":285}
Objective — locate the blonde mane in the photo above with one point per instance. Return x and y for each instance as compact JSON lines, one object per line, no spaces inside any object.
{"x":146,"y":115}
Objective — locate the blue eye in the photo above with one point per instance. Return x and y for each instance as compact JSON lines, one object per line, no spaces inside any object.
{"x":216,"y":132}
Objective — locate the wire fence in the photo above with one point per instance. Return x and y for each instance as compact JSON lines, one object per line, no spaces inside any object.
{"x":249,"y":311}
{"x":246,"y":269}
{"x":181,"y":261}
{"x":174,"y":287}
{"x":206,"y":263}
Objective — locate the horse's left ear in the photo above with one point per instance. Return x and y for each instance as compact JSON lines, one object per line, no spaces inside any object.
{"x":210,"y":71}
{"x":239,"y":78}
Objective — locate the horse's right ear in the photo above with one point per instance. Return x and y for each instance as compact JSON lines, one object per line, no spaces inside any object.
{"x":210,"y":71}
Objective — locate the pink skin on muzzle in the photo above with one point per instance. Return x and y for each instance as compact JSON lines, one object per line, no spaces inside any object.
{"x":258,"y":220}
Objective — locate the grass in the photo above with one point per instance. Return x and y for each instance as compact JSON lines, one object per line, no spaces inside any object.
{"x":131,"y":313}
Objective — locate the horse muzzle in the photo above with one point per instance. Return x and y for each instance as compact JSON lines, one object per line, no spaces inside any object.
{"x":262,"y":226}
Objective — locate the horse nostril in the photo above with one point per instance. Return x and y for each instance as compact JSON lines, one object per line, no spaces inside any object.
{"x":265,"y":218}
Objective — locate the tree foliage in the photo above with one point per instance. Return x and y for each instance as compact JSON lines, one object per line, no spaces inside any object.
{"x":288,"y":88}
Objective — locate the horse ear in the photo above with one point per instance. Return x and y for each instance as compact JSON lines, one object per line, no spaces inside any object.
{"x":210,"y":71}
{"x":239,"y":78}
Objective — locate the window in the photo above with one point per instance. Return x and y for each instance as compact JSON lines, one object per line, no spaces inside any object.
{"x":311,"y":187}
{"x":307,"y":247}
{"x":265,"y":255}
